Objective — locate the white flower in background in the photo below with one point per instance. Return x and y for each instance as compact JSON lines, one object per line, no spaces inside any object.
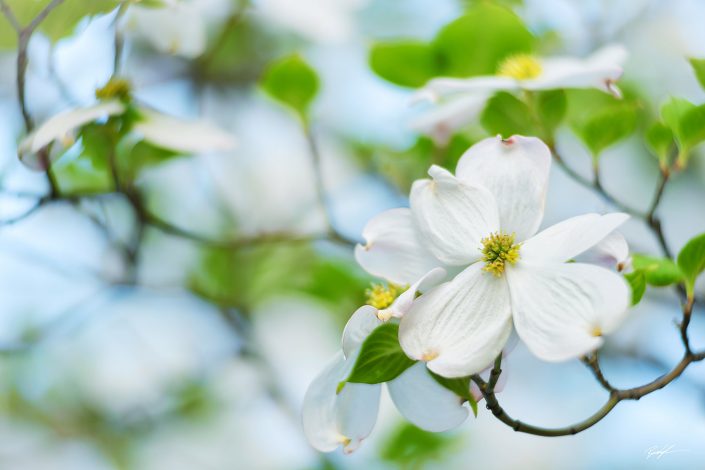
{"x":178,"y":135}
{"x":333,"y":418}
{"x":317,"y":20}
{"x":482,"y":225}
{"x":440,"y":122}
{"x":178,"y":27}
{"x":464,"y":98}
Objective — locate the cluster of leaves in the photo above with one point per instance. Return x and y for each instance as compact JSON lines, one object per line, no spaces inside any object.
{"x":661,"y":272}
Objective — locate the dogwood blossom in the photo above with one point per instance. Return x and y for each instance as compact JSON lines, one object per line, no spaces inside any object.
{"x":183,"y":136}
{"x":334,"y":417}
{"x":463,"y":98}
{"x":481,"y":226}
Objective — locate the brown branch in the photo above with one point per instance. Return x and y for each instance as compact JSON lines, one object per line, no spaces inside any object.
{"x":616,"y":395}
{"x":648,"y":217}
{"x":593,"y":363}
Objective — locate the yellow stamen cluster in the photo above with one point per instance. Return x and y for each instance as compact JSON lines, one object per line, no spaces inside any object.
{"x":115,"y":88}
{"x":497,"y":249}
{"x":381,"y":296}
{"x":520,"y":67}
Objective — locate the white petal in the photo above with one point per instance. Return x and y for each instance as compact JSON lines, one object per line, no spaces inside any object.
{"x":515,"y":170}
{"x":393,"y":248}
{"x":189,"y":137}
{"x":440,"y":87}
{"x":331,"y":420}
{"x":561,"y":310}
{"x":566,"y":240}
{"x":61,"y":126}
{"x":426,"y":403}
{"x":601,"y":70}
{"x":453,"y":216}
{"x":613,"y":250}
{"x":461,"y":326}
{"x":358,"y":328}
{"x":403,"y":303}
{"x":441,"y":122}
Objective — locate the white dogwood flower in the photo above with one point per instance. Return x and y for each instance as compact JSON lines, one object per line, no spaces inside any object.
{"x":178,"y":135}
{"x":333,"y":417}
{"x":460,"y":100}
{"x":482,"y":225}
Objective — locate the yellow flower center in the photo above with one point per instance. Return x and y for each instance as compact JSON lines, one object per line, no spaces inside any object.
{"x":497,"y":249}
{"x":381,"y":296}
{"x":115,"y":88}
{"x":520,"y":67}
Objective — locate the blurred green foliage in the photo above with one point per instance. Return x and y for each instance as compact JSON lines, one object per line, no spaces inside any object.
{"x":409,"y":447}
{"x":473,"y":44}
{"x":292,"y":82}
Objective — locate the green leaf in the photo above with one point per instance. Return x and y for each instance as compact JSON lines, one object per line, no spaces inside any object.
{"x":460,"y":386}
{"x":551,"y":108}
{"x":691,"y":261}
{"x":686,"y":120}
{"x":608,"y":127}
{"x":292,"y":82}
{"x":699,"y":69}
{"x":476,"y":43}
{"x":405,"y":63}
{"x":659,"y":138}
{"x":505,"y":114}
{"x":84,"y":167}
{"x":659,"y":272}
{"x":637,"y":281}
{"x":410,"y":447}
{"x":381,"y":359}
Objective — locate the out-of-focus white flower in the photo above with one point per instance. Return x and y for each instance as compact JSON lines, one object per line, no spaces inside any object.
{"x":318,"y":20}
{"x":525,"y":72}
{"x":482,"y":225}
{"x":178,"y":135}
{"x":179,"y":27}
{"x":442,"y":121}
{"x":467,"y":96}
{"x":334,"y":417}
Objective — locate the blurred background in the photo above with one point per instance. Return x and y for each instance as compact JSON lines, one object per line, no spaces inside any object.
{"x":187,"y":340}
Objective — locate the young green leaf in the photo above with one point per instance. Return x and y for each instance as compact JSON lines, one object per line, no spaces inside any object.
{"x":659,"y":272}
{"x":659,"y":138}
{"x":608,"y":127}
{"x":637,"y":281}
{"x":381,"y":359}
{"x":407,"y":63}
{"x":687,"y":121}
{"x":691,"y":261}
{"x":476,"y":43}
{"x":292,"y":82}
{"x":460,"y":386}
{"x":507,"y":115}
{"x":551,"y":107}
{"x":699,"y":69}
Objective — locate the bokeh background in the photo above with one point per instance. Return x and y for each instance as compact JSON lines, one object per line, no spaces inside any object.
{"x":173,"y":352}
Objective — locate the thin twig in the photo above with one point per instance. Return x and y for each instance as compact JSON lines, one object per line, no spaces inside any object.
{"x":615,"y":396}
{"x":11,"y":18}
